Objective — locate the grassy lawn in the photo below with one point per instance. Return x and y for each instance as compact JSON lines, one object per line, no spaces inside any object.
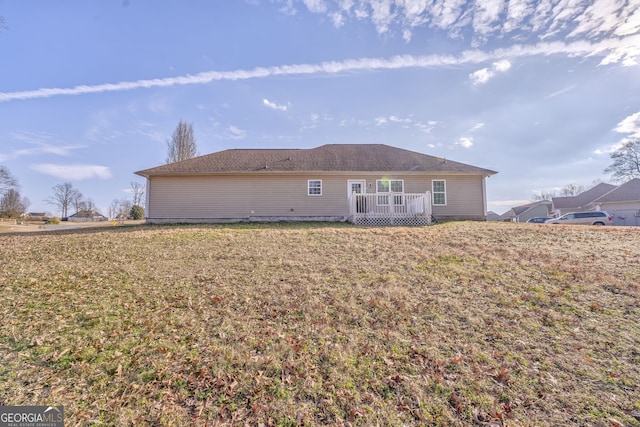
{"x":452,"y":325}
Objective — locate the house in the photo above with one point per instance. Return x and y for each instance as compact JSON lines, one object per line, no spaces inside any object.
{"x":492,"y":216}
{"x":86,"y":216}
{"x":581,"y":202}
{"x":525,"y":212}
{"x":623,"y":202}
{"x":35,"y":216}
{"x":334,"y":182}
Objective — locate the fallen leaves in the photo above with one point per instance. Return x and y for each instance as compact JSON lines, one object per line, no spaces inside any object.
{"x":492,"y":324}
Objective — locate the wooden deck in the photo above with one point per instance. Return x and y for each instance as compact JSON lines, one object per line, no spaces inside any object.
{"x":390,"y":209}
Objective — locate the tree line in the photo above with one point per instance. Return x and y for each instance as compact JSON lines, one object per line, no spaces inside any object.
{"x":625,"y":166}
{"x":66,"y":198}
{"x":182,"y":146}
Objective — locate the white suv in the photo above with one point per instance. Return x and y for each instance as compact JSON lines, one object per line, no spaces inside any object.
{"x":587,"y":218}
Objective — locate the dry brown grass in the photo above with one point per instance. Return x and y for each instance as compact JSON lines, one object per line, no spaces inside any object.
{"x":453,"y":325}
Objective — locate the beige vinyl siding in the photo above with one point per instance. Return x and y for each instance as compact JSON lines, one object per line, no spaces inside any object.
{"x":244,"y":196}
{"x":465,"y":197}
{"x":241,"y":196}
{"x":616,"y":206}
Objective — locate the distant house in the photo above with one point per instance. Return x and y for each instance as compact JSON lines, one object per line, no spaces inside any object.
{"x":525,"y":212}
{"x":581,"y":202}
{"x":87,"y":216}
{"x":492,"y":216}
{"x":334,"y":182}
{"x":35,"y":216}
{"x":623,"y":202}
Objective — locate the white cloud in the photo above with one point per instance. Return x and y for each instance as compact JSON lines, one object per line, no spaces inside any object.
{"x":517,"y":12}
{"x":73,"y":172}
{"x":599,"y":17}
{"x":483,"y":19}
{"x":477,"y":126}
{"x":501,"y":204}
{"x":486,"y":16}
{"x":234,"y":132}
{"x":485,"y":74}
{"x":396,"y":119}
{"x":630,"y":125}
{"x":560,"y":92}
{"x":273,"y":105}
{"x":42,"y":143}
{"x":380,"y":121}
{"x":502,"y":65}
{"x":288,"y":8}
{"x":315,"y":6}
{"x":631,"y":25}
{"x":464,"y":142}
{"x":481,"y":76}
{"x":609,"y":149}
{"x":406,"y":35}
{"x":426,"y":127}
{"x":626,"y":55}
{"x":624,"y":50}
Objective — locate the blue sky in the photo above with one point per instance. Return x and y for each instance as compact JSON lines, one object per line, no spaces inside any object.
{"x":539,"y":90}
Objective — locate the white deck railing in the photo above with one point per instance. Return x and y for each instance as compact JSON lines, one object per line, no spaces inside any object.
{"x":390,"y":208}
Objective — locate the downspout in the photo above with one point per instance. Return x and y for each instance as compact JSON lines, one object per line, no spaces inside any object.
{"x":484,"y":196}
{"x":146,"y":198}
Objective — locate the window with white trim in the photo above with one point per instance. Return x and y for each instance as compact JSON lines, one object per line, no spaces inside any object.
{"x":394,"y":189}
{"x":439,"y":192}
{"x":314,"y":187}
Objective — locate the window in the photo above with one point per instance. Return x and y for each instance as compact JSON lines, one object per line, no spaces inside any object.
{"x":314,"y":187}
{"x":439,"y":190}
{"x":394,"y":188}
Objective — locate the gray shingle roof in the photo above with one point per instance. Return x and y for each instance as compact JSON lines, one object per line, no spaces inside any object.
{"x":518,"y":210}
{"x":326,"y":158}
{"x":582,"y":199}
{"x":627,"y":192}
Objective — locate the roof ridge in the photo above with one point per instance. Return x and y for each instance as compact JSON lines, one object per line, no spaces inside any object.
{"x":324,"y":158}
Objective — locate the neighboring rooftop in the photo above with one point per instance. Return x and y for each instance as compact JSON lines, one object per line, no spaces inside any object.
{"x":627,"y":192}
{"x":582,"y":199}
{"x":326,"y":158}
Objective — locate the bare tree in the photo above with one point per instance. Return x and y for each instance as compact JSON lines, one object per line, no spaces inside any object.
{"x":541,"y":195}
{"x":124,"y":208}
{"x":137,"y":190}
{"x":63,"y":196}
{"x":7,"y":181}
{"x":77,"y":201}
{"x":12,"y":204}
{"x":626,"y":161}
{"x":87,"y":205}
{"x":182,"y":145}
{"x":114,"y":209}
{"x":570,"y":190}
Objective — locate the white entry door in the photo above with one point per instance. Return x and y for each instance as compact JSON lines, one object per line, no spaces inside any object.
{"x":358,"y":186}
{"x":355,"y":186}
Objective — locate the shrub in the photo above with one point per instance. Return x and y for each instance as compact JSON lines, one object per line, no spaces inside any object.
{"x":137,"y":212}
{"x":54,"y":220}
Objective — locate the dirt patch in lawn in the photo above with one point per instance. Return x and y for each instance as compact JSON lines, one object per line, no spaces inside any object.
{"x":456,"y":324}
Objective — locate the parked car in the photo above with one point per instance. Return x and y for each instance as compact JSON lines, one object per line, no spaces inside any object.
{"x":538,"y":219}
{"x":586,"y":218}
